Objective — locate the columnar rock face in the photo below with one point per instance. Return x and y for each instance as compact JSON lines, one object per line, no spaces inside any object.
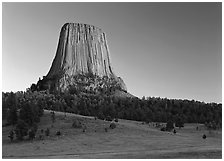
{"x":82,"y":50}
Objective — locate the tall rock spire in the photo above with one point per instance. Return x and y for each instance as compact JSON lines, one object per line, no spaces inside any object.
{"x":82,"y":50}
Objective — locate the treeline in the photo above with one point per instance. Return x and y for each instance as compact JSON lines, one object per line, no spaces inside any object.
{"x":23,"y":111}
{"x":146,"y":109}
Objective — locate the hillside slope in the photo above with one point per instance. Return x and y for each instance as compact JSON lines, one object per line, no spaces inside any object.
{"x":130,"y":139}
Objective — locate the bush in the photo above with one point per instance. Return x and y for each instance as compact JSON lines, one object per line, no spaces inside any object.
{"x":53,"y":117}
{"x":163,"y":129}
{"x":58,"y":133}
{"x":112,"y":125}
{"x":116,"y":120}
{"x":21,"y":129}
{"x":76,"y":124}
{"x":47,"y":132}
{"x":174,"y":131}
{"x":84,"y":128}
{"x":11,"y":135}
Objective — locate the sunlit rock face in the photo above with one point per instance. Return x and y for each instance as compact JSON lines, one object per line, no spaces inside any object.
{"x":82,"y":56}
{"x":82,"y":49}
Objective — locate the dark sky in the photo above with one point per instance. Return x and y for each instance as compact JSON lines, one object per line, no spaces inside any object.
{"x":171,"y":50}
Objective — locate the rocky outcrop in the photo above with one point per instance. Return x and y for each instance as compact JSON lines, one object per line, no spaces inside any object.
{"x":82,"y":52}
{"x":82,"y":49}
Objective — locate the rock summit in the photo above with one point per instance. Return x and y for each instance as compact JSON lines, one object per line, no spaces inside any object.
{"x":82,"y":61}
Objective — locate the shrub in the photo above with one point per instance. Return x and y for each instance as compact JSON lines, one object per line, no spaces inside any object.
{"x":84,"y":128}
{"x":116,"y":120}
{"x":174,"y":131}
{"x":11,"y":135}
{"x":47,"y":132}
{"x":76,"y":124}
{"x":163,"y":129}
{"x":112,"y":125}
{"x":53,"y":117}
{"x":58,"y":133}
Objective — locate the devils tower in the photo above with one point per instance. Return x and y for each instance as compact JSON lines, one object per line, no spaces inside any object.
{"x":82,"y":61}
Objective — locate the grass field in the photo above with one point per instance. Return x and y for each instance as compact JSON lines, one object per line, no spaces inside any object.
{"x":130,"y":139}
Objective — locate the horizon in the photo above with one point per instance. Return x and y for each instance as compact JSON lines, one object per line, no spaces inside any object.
{"x":180,"y":51}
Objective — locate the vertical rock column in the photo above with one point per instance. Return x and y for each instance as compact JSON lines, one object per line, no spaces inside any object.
{"x":82,"y":49}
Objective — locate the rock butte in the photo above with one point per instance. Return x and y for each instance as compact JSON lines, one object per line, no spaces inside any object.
{"x":82,"y":50}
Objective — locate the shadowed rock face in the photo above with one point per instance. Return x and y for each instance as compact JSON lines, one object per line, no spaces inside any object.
{"x":82,"y":50}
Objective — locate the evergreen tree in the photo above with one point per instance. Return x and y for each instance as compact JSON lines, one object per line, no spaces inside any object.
{"x":179,"y":122}
{"x":12,"y":116}
{"x":11,"y":104}
{"x":21,"y":129}
{"x":169,"y":125}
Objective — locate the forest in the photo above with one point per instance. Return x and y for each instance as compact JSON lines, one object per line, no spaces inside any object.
{"x":24,"y":109}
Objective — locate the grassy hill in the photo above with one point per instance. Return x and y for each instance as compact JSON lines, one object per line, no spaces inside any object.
{"x":130,"y":139}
